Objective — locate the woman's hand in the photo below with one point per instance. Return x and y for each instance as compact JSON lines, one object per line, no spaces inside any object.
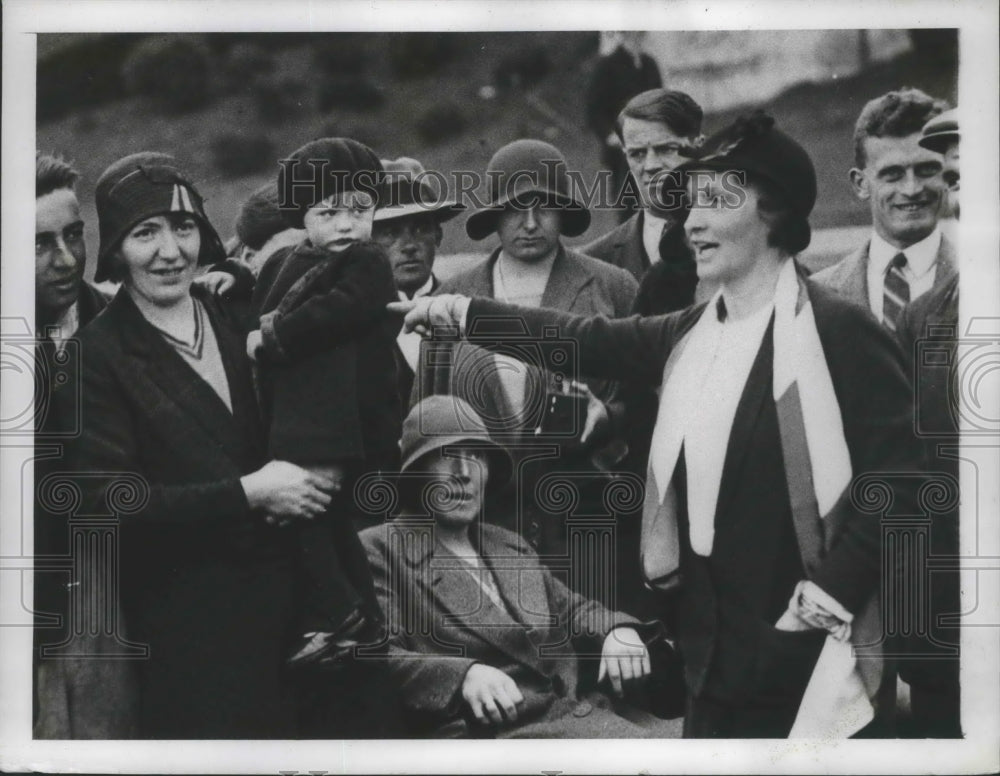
{"x":424,"y":313}
{"x":216,"y":282}
{"x":491,"y":694}
{"x":624,"y":658}
{"x":286,"y":491}
{"x":255,"y":343}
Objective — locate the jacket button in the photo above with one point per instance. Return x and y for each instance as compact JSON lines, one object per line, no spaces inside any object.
{"x":582,"y":709}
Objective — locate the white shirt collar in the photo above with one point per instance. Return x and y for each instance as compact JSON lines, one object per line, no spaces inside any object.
{"x":424,"y":290}
{"x":66,"y":326}
{"x":920,"y":256}
{"x":652,"y":231}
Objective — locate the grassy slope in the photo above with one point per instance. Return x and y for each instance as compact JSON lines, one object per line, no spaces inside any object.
{"x":820,"y":115}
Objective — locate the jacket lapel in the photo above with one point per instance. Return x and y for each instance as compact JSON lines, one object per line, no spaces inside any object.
{"x":755,"y":393}
{"x":853,"y":281}
{"x":946,"y":266}
{"x":179,"y":383}
{"x":566,"y":281}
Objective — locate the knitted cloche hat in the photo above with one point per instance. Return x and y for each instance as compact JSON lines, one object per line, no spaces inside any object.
{"x":323,"y":168}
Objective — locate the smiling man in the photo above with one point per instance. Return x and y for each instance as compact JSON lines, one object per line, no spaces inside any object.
{"x":902,"y":183}
{"x":63,"y":301}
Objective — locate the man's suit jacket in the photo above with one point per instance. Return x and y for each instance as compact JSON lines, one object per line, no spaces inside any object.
{"x":440,"y":622}
{"x":849,"y":276}
{"x":622,"y":247}
{"x":730,"y":601}
{"x":203,"y":581}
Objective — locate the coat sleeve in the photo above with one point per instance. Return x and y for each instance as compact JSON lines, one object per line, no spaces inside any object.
{"x":876,"y":402}
{"x":349,"y":308}
{"x":109,"y":445}
{"x":600,"y":347}
{"x":623,"y":293}
{"x":428,"y":685}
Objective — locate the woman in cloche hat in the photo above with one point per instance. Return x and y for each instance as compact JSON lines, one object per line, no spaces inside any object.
{"x":168,"y":409}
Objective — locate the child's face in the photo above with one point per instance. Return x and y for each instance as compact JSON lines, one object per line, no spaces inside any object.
{"x":338,"y":222}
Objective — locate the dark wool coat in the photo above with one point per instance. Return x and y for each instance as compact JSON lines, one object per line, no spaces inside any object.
{"x":329,"y":370}
{"x":440,"y":623}
{"x":206,"y":584}
{"x":729,"y":601}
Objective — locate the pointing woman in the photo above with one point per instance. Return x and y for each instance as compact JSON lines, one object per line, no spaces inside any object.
{"x":775,"y":396}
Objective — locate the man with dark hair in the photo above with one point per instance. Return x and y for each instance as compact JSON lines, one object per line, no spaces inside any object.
{"x":654,"y":127}
{"x":262,"y":229}
{"x":901,"y":181}
{"x":618,"y":76}
{"x":64,"y":302}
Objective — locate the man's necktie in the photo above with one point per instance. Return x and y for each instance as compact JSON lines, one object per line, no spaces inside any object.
{"x":895,"y":292}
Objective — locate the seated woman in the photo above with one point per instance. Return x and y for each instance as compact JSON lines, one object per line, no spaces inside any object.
{"x":483,"y":639}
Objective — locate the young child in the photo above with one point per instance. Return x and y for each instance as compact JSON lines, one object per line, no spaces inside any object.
{"x":327,"y":375}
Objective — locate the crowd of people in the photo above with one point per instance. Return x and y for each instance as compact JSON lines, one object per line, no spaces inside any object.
{"x":376,"y":503}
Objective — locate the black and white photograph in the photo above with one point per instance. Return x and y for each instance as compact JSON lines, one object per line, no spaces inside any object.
{"x":401,"y":380}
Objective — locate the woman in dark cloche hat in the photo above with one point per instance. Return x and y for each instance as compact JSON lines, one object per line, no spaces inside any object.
{"x":775,"y":397}
{"x":169,"y":413}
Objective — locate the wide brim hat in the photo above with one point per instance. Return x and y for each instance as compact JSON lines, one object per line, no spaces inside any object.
{"x":442,"y":421}
{"x":941,"y":131}
{"x":409,"y":190}
{"x":754,"y":146}
{"x":523,"y":172}
{"x":141,"y":186}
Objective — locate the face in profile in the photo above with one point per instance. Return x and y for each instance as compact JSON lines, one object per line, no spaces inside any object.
{"x":60,"y":252}
{"x":529,"y":231}
{"x":411,"y":242}
{"x":726,"y":232}
{"x":902,"y":184}
{"x":340,"y":221}
{"x":455,"y":485}
{"x":160,"y":256}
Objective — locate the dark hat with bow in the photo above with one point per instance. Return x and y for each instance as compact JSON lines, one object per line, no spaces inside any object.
{"x":141,"y":186}
{"x":525,"y":171}
{"x":753,"y":145}
{"x":407,"y":191}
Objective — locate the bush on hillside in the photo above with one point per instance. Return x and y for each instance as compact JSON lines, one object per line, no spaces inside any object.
{"x":343,"y":54}
{"x":171,"y":71}
{"x":419,"y":54}
{"x":247,"y":61}
{"x":277,"y":100}
{"x":441,"y":122}
{"x":522,"y":69}
{"x":357,"y":93}
{"x":237,"y":155}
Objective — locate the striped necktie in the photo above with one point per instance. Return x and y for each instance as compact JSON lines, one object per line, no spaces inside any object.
{"x":895,"y":292}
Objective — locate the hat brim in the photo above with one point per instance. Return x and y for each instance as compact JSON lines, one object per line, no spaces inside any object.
{"x":501,"y":465}
{"x":574,"y":222}
{"x":939,"y":141}
{"x":443,"y":212}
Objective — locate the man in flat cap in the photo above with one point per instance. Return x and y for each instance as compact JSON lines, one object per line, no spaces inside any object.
{"x":530,"y":210}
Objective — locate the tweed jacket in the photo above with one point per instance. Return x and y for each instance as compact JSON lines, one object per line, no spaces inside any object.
{"x":729,"y":601}
{"x":849,"y":276}
{"x":622,"y":247}
{"x":441,"y":623}
{"x":578,"y":284}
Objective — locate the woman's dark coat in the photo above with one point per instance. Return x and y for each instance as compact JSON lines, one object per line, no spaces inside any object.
{"x":205,"y":583}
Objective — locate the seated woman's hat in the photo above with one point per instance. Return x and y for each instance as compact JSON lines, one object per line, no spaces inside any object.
{"x":528,"y":169}
{"x":140,"y":186}
{"x":440,"y":421}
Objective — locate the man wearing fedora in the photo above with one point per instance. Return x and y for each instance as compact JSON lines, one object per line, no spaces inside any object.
{"x":407,"y":226}
{"x":530,"y":209}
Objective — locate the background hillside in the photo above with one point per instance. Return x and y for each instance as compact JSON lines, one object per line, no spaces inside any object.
{"x":229,"y":105}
